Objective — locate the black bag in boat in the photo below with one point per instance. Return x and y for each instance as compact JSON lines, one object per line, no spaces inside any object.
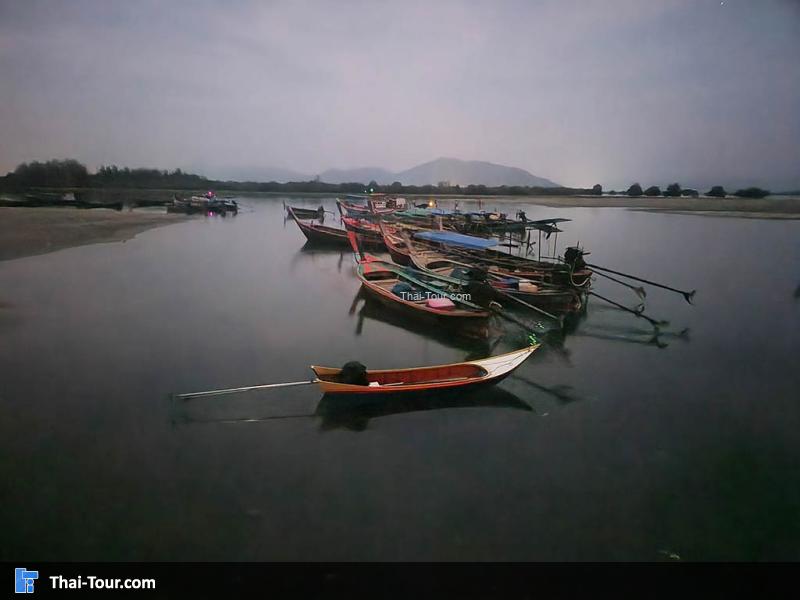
{"x":353,"y":373}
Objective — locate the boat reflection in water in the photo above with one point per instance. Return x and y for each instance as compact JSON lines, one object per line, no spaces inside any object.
{"x":354,"y":412}
{"x":349,"y":412}
{"x":371,"y":310}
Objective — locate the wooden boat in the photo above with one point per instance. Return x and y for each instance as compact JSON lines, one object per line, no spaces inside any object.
{"x":394,"y":244}
{"x":535,"y":293}
{"x":472,"y":223}
{"x":307,"y":213}
{"x":422,"y":295}
{"x":368,"y":232}
{"x":426,"y":379}
{"x":207,"y":204}
{"x":322,"y":235}
{"x":501,"y":263}
{"x":372,"y":205}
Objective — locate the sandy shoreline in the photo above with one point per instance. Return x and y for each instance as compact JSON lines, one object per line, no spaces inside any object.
{"x":764,"y":208}
{"x":32,"y":231}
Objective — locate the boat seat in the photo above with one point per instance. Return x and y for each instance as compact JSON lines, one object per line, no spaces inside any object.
{"x":440,"y":303}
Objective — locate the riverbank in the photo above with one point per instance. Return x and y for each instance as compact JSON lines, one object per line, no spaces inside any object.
{"x":31,"y":231}
{"x":771,"y":207}
{"x":774,"y":207}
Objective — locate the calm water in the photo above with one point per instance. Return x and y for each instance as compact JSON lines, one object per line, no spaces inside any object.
{"x":607,"y":445}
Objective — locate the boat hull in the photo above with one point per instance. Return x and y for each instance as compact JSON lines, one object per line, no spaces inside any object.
{"x":457,"y":376}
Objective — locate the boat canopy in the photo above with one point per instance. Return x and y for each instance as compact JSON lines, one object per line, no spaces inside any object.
{"x":424,"y":212}
{"x":549,"y":221}
{"x":456,"y":239}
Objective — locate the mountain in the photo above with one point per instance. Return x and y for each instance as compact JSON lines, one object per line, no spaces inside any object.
{"x":461,"y":172}
{"x":465,"y":172}
{"x":453,"y":170}
{"x":360,"y":175}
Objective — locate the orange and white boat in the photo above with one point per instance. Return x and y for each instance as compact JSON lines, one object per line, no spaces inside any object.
{"x":426,"y":379}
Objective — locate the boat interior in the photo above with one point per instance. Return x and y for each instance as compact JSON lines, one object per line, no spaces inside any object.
{"x":402,"y":377}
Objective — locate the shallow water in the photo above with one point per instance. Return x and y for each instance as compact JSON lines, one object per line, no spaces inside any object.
{"x":607,"y":444}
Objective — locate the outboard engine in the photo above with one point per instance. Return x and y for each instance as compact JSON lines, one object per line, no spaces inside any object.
{"x":353,"y":373}
{"x":573,"y":256}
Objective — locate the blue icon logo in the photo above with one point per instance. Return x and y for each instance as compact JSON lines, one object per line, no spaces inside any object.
{"x":23,"y":581}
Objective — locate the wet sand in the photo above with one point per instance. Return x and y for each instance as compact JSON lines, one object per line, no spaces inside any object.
{"x":776,"y":207}
{"x":31,"y":231}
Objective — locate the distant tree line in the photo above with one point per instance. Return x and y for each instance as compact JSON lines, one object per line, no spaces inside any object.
{"x":53,"y":173}
{"x":674,"y":190}
{"x":70,"y":173}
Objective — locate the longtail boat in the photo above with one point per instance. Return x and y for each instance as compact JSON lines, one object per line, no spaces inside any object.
{"x":474,"y":250}
{"x":426,"y":379}
{"x":322,"y":235}
{"x":394,"y":244}
{"x":473,"y":223}
{"x":354,"y":379}
{"x":536,"y":293}
{"x":372,"y":205}
{"x":369,"y":232}
{"x":307,"y":213}
{"x":423,"y":295}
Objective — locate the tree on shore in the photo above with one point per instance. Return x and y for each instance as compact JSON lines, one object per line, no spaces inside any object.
{"x":690,"y":192}
{"x":751,"y":192}
{"x":717,"y":192}
{"x":53,"y":173}
{"x":597,"y":189}
{"x":673,"y":190}
{"x":634,"y":190}
{"x":653,"y":190}
{"x":72,"y":174}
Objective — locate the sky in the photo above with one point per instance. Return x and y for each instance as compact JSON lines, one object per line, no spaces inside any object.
{"x":579,"y":92}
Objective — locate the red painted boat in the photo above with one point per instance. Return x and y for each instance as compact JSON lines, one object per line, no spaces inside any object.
{"x":426,"y":379}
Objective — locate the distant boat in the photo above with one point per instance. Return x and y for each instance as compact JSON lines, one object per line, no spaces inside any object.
{"x":208,"y":203}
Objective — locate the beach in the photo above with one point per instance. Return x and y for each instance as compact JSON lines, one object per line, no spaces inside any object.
{"x":31,"y":231}
{"x":775,"y":207}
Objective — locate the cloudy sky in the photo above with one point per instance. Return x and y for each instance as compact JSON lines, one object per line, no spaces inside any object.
{"x":579,"y":92}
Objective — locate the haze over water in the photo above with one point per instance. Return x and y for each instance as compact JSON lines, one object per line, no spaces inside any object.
{"x":688,"y":449}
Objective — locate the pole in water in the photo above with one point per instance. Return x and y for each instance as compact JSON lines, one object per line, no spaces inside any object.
{"x":559,"y":320}
{"x":687,"y":295}
{"x":241,"y":389}
{"x":638,"y":313}
{"x":640,"y":291}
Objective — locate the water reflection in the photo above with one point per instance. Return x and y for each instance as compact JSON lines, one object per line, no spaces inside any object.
{"x":354,"y":413}
{"x":346,"y":412}
{"x":371,"y":309}
{"x":310,"y":253}
{"x":213,"y":303}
